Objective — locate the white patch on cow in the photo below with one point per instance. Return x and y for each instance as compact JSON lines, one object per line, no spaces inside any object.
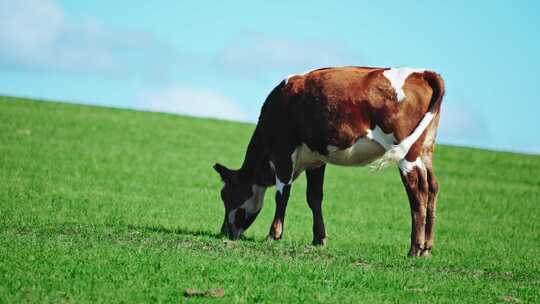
{"x":430,"y":136}
{"x":255,"y":202}
{"x":232,"y":216}
{"x":397,"y":77}
{"x":406,"y":166}
{"x":364,"y":151}
{"x":398,"y":152}
{"x":304,"y":158}
{"x":361,"y":153}
{"x":384,"y":139}
{"x":376,"y":146}
{"x":280,"y":185}
{"x":294,"y":160}
{"x":403,"y":148}
{"x":252,"y":205}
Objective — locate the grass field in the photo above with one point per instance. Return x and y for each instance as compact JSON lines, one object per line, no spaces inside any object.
{"x":107,"y":205}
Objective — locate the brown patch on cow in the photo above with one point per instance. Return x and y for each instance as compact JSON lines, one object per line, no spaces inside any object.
{"x":416,"y":185}
{"x":416,"y":148}
{"x":294,"y":85}
{"x":343,"y":103}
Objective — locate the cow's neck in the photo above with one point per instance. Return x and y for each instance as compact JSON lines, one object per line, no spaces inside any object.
{"x":256,"y":167}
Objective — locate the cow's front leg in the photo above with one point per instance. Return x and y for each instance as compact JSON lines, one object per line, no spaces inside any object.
{"x":314,"y":196}
{"x":414,"y":178}
{"x":283,"y":169}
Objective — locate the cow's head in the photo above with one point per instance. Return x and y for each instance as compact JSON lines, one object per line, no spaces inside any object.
{"x":243,"y":201}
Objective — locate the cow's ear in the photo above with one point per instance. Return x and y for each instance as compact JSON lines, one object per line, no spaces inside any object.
{"x":227,"y":175}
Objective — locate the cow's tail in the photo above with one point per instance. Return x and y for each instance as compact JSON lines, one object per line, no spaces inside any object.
{"x":398,"y":152}
{"x":436,"y":83}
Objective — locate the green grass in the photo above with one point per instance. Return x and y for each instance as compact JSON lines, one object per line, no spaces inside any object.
{"x":107,"y":205}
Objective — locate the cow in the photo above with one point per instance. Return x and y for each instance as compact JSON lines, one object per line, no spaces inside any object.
{"x":347,"y":116}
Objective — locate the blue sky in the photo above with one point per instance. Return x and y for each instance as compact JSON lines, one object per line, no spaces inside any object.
{"x":221,"y":59}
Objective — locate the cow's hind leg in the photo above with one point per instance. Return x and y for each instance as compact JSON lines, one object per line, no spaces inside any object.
{"x":314,"y":196}
{"x":414,"y":177}
{"x":433,"y":192}
{"x":283,"y":168}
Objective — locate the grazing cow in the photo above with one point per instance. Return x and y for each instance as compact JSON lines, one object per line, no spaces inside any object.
{"x":348,"y":116}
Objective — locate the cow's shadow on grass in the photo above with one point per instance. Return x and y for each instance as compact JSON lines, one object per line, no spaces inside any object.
{"x":157,"y":236}
{"x":209,"y":241}
{"x":185,"y":232}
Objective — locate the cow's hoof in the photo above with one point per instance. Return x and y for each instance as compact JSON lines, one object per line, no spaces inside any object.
{"x":272,"y":237}
{"x":319,"y":242}
{"x":420,"y":253}
{"x":415,"y":251}
{"x":426,"y":253}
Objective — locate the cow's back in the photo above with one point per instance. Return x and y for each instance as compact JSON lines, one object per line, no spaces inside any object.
{"x":337,"y":106}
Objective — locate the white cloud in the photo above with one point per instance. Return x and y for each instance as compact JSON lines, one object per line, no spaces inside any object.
{"x":258,"y":53}
{"x":37,"y":35}
{"x":463,"y":124}
{"x":191,"y":101}
{"x":29,"y":25}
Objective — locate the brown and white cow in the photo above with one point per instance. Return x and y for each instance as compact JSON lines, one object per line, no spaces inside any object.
{"x":348,"y":116}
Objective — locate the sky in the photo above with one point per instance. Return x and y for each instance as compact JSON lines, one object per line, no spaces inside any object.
{"x":222,"y":58}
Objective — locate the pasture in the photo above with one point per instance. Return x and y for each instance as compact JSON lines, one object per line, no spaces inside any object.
{"x":108,"y":205}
